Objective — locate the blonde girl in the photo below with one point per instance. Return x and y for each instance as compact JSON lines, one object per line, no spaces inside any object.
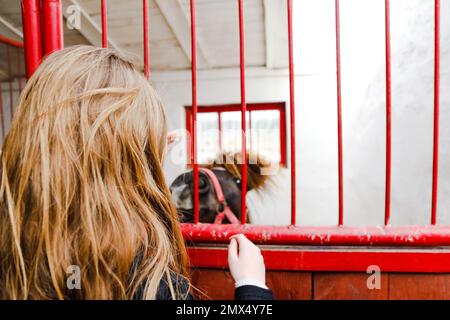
{"x":82,"y":188}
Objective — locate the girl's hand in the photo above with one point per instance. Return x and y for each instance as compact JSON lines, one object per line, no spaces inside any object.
{"x":245,"y":261}
{"x":172,"y":136}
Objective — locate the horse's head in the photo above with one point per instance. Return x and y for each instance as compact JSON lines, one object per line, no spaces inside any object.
{"x":227,"y":169}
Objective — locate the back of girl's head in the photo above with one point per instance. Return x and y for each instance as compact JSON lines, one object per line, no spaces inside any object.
{"x":82,"y":183}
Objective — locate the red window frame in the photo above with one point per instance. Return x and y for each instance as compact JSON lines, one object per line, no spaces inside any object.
{"x":219,"y":109}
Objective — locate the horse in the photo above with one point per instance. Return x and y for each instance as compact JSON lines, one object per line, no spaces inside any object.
{"x":219,"y":188}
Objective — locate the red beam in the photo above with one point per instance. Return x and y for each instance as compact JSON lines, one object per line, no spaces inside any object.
{"x":412,"y":236}
{"x":10,"y":42}
{"x":421,"y":261}
{"x":387,"y":205}
{"x":436,"y":111}
{"x":52,"y":25}
{"x":339,"y":115}
{"x":292,"y":114}
{"x":243,"y":113}
{"x":194,"y":111}
{"x":31,"y":22}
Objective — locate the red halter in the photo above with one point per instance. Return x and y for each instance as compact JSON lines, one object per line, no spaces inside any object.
{"x":226,"y":212}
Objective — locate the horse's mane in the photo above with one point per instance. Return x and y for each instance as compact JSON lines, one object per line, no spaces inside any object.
{"x":258,"y":168}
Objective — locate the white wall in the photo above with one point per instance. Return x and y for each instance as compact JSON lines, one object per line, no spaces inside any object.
{"x":412,"y":27}
{"x":317,"y":167}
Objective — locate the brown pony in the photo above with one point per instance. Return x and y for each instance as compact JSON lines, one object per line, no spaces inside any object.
{"x":227,"y":167}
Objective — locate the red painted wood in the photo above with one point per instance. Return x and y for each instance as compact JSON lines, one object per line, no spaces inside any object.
{"x":217,"y":284}
{"x":288,"y":285}
{"x":303,"y":259}
{"x":419,"y":286}
{"x":411,"y":236}
{"x":348,"y":286}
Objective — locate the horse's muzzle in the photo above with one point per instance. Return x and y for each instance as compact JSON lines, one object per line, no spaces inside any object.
{"x":185,"y":216}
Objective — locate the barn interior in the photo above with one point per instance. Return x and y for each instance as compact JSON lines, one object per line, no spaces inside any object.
{"x":363,"y":69}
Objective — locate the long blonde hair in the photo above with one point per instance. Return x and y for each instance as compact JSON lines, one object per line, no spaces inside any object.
{"x":82,"y":184}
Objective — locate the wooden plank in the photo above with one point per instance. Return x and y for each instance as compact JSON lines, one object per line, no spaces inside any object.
{"x":347,"y":286}
{"x":419,"y":286}
{"x":179,"y":22}
{"x":287,"y":285}
{"x":216,"y":284}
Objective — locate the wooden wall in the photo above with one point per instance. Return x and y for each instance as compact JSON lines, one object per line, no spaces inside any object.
{"x":288,"y":285}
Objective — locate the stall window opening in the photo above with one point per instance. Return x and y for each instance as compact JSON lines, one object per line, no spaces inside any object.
{"x":219,"y":130}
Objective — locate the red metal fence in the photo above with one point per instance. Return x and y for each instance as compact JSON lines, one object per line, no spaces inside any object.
{"x":340,"y":235}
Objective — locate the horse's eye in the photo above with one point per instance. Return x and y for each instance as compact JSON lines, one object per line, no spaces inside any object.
{"x":203,"y":186}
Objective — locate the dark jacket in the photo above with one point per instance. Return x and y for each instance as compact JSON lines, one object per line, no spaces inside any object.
{"x":241,"y":293}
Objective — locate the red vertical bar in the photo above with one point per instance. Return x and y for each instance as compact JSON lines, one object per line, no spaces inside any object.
{"x":243,"y":112}
{"x":387,"y":212}
{"x":31,"y":23}
{"x":52,"y":25}
{"x":104,"y":25}
{"x":19,"y":69}
{"x":10,"y":76}
{"x":146,"y":43}
{"x":292,"y":112}
{"x":194,"y":110}
{"x":436,"y":110}
{"x":2,"y":113}
{"x":339,"y":114}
